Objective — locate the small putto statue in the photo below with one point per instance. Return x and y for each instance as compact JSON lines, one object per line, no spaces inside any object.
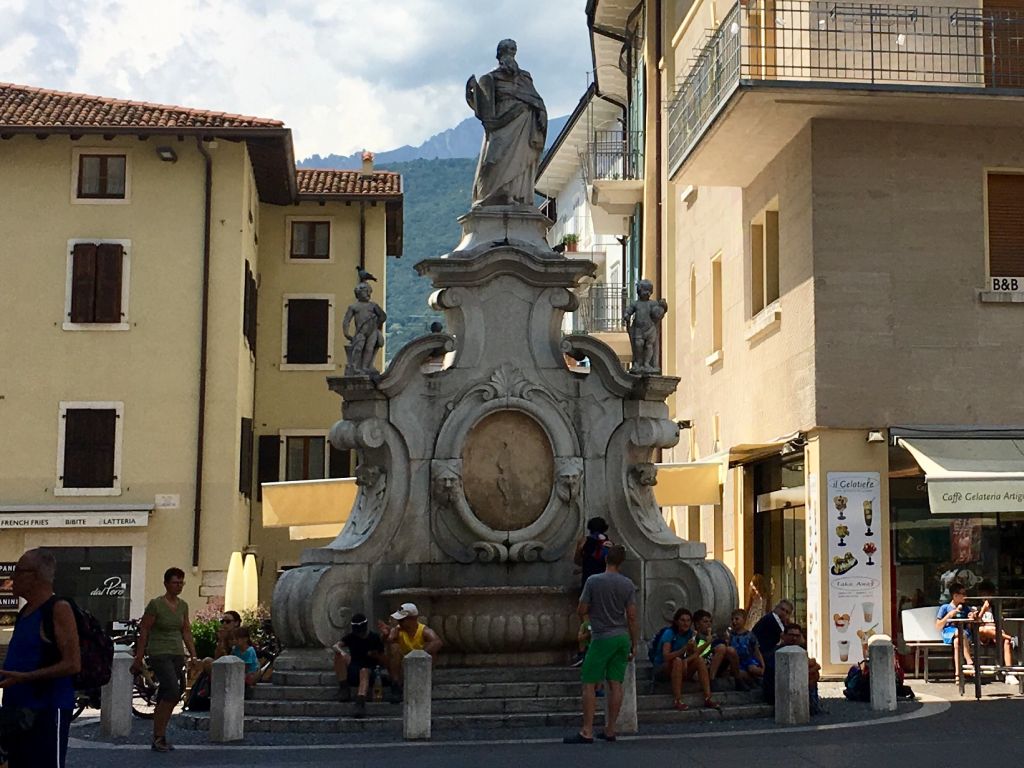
{"x":368,"y":333}
{"x":642,"y":319}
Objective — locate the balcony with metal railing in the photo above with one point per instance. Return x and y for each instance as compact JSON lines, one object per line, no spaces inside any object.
{"x":600,"y":308}
{"x":613,"y":165}
{"x":795,"y":60}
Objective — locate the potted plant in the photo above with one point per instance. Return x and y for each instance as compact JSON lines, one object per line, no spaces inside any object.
{"x":570,"y":241}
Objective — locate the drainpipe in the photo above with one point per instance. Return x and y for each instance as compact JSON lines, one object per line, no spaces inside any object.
{"x":658,"y":233}
{"x":204,"y":333}
{"x":362,"y":235}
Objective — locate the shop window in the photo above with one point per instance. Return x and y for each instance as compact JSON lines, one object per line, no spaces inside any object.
{"x":1005,"y":202}
{"x":100,"y":176}
{"x":308,"y":332}
{"x":310,"y":240}
{"x":764,"y":259}
{"x":98,"y":579}
{"x":97,"y":286}
{"x":89,"y":449}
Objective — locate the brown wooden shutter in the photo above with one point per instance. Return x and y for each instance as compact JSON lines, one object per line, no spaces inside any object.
{"x":89,"y":435}
{"x":393,"y":225}
{"x":1006,"y":224}
{"x":83,"y":283}
{"x":109,"y":261}
{"x":340,"y":463}
{"x":245,"y":458}
{"x":308,"y":321}
{"x":269,"y":469}
{"x":249,"y":310}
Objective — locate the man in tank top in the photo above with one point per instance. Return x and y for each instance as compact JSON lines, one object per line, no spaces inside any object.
{"x":406,"y":636}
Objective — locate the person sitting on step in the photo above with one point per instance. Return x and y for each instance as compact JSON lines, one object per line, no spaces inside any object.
{"x":356,"y":658}
{"x":406,"y":636}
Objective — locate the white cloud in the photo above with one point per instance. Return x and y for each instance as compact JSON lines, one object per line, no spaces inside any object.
{"x":343,"y":75}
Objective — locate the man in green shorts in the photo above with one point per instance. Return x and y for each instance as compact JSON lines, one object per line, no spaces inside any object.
{"x":609,"y":599}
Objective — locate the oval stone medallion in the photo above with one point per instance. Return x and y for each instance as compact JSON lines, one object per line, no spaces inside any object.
{"x":507,"y":470}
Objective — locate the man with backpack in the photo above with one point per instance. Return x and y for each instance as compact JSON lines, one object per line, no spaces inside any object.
{"x":39,"y":692}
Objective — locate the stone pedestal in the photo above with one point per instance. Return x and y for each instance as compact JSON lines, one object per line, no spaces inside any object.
{"x":227,"y":700}
{"x":476,"y":479}
{"x":882,"y":677}
{"x":627,"y":722}
{"x":417,"y":676}
{"x":116,"y":698}
{"x":792,"y":702}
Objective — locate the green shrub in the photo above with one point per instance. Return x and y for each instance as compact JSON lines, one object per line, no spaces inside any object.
{"x":204,"y":632}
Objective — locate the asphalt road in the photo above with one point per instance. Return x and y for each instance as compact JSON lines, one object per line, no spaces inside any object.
{"x":990,"y":731}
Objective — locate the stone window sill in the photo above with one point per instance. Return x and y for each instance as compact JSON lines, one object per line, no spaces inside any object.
{"x":765,"y":322}
{"x":1000,"y":297}
{"x":714,"y":358}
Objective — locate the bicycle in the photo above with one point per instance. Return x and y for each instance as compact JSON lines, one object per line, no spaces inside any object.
{"x":145,"y":686}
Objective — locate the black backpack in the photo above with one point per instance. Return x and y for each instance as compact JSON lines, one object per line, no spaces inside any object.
{"x":656,"y":643}
{"x":858,"y":684}
{"x":97,"y":649}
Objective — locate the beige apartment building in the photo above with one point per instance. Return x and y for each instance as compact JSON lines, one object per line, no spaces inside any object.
{"x":172,"y":290}
{"x":833,"y":204}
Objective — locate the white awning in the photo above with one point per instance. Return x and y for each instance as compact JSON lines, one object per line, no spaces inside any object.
{"x":971,"y":476}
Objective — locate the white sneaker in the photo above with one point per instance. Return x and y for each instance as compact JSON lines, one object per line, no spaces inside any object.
{"x":1012,"y":680}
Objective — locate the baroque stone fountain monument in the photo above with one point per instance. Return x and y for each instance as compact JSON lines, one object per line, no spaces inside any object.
{"x":475,"y":478}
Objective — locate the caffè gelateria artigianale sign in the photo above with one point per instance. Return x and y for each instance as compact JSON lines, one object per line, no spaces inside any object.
{"x":28,"y":521}
{"x":964,"y":496}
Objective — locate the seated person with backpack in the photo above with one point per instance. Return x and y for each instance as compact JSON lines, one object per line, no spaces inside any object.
{"x":676,"y":657}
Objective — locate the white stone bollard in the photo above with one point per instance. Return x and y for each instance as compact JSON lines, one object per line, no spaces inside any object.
{"x":417,"y":671}
{"x":882,"y":675}
{"x":627,"y":722}
{"x":116,"y":698}
{"x":227,"y":699}
{"x":792,"y":703}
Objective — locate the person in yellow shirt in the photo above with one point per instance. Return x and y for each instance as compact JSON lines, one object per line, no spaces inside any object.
{"x":407,"y":635}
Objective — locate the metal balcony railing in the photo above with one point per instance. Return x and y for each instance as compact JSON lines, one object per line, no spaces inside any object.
{"x":600,"y":309}
{"x":925,"y":47}
{"x":613,"y":155}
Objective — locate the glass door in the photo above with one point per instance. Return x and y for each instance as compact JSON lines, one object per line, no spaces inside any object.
{"x":780,"y":554}
{"x":98,"y":579}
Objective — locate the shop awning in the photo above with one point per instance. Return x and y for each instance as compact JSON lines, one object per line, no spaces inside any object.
{"x":689,"y":484}
{"x":304,"y":532}
{"x":971,"y":476}
{"x":309,"y":502}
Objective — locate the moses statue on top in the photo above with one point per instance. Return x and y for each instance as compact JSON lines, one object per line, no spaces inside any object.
{"x":515,"y":127}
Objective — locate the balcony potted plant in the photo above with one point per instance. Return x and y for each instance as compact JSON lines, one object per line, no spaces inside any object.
{"x":569,"y":241}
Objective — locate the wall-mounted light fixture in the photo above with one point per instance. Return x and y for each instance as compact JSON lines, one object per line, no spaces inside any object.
{"x":875,"y":436}
{"x":167,"y":154}
{"x":684,"y":424}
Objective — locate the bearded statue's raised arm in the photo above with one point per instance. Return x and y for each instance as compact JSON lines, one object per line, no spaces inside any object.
{"x":515,"y":127}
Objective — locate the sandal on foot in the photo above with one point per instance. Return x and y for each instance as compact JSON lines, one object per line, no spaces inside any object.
{"x":578,"y":738}
{"x":605,"y":736}
{"x":710,"y":703}
{"x":680,"y":705}
{"x":161,"y":745}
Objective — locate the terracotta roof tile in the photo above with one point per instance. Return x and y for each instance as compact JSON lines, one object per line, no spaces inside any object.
{"x":24,"y":106}
{"x":320,"y":181}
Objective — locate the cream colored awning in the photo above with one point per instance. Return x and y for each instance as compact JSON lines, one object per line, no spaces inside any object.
{"x":970,"y":476}
{"x":303,"y":532}
{"x":689,"y":484}
{"x":308,"y":502}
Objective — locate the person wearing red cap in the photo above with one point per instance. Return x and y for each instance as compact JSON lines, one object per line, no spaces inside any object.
{"x":406,"y":636}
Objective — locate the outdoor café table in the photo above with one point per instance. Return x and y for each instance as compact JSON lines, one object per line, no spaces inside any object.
{"x":996,"y":602}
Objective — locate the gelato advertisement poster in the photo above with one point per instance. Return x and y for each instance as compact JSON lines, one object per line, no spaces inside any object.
{"x":854,"y":563}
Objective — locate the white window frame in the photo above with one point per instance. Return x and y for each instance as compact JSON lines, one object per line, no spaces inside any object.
{"x":77,"y":152}
{"x":329,"y":365}
{"x":74,"y":405}
{"x":289,"y":220}
{"x":125,"y":323}
{"x":282,"y":462}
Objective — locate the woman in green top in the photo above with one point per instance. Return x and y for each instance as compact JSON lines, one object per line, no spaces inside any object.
{"x":164,"y":627}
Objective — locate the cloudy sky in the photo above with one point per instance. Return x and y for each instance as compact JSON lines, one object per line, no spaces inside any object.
{"x":343,"y":75}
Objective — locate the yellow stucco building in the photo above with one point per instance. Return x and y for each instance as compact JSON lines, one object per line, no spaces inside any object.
{"x":172,"y":296}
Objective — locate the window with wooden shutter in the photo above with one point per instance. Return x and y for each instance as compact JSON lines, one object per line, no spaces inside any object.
{"x":97,"y":283}
{"x":311,"y":240}
{"x":307,"y":331}
{"x":249,"y":310}
{"x":1006,"y":225}
{"x":245,"y":458}
{"x":269,"y":460}
{"x":89,"y":442}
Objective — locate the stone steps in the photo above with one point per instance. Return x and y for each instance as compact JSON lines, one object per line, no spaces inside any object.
{"x":453,"y":676}
{"x":473,"y":705}
{"x":441,"y":723}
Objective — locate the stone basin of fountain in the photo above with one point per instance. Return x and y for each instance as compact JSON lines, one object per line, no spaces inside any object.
{"x":496,"y":626}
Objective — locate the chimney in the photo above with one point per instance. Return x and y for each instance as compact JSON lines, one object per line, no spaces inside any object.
{"x":367,"y":164}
